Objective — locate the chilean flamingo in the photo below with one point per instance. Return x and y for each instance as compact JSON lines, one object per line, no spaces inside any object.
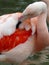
{"x":37,"y":13}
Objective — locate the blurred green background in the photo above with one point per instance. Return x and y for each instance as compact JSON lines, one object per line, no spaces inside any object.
{"x":11,"y":6}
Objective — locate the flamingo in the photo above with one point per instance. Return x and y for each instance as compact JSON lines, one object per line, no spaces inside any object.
{"x":37,"y":14}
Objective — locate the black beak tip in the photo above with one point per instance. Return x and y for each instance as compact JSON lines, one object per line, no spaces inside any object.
{"x":17,"y":26}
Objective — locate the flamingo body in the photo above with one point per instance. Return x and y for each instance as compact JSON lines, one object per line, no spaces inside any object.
{"x":35,"y":14}
{"x":9,"y":40}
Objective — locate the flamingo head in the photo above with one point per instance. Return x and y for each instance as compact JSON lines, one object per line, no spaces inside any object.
{"x":33,"y":10}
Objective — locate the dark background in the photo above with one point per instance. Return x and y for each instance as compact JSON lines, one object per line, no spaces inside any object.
{"x":10,"y":6}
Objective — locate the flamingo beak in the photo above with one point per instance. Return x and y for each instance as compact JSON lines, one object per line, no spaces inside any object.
{"x":17,"y":26}
{"x":24,"y":17}
{"x":21,"y":18}
{"x":22,"y":23}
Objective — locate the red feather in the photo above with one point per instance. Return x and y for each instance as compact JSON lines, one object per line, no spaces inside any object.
{"x":9,"y":42}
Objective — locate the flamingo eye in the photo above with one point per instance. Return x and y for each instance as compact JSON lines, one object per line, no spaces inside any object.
{"x":17,"y":26}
